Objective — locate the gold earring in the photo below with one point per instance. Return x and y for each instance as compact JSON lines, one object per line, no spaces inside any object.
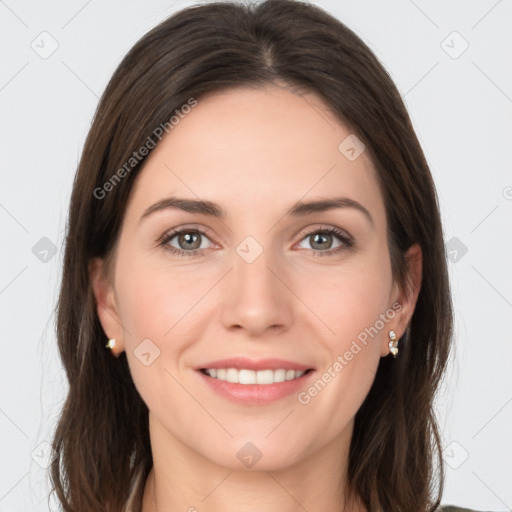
{"x":393,"y":343}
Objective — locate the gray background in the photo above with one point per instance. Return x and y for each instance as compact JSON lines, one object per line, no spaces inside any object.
{"x":460,"y":101}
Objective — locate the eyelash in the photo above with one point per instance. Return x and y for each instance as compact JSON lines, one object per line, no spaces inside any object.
{"x":347,"y":242}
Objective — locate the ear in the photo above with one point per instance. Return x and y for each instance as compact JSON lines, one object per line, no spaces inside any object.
{"x":106,"y":307}
{"x":407,"y":298}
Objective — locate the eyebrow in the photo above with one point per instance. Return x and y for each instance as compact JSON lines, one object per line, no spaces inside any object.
{"x":299,"y":209}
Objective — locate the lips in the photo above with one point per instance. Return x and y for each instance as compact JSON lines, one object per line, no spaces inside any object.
{"x":251,"y":382}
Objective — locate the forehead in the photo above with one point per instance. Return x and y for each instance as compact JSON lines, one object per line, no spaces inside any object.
{"x":269,"y":147}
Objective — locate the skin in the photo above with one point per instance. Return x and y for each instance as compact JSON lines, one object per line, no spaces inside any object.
{"x":255,"y":153}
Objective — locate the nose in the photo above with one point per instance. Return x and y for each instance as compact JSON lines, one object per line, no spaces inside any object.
{"x":257,"y":298}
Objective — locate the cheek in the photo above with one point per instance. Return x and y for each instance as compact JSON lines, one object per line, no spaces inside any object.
{"x":353,"y":303}
{"x":154,"y":304}
{"x":154,"y":298}
{"x":348,"y":300}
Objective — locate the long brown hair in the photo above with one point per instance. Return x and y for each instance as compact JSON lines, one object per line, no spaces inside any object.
{"x":102,"y":437}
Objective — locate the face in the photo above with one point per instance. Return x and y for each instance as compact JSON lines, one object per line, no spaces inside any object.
{"x":309,"y":289}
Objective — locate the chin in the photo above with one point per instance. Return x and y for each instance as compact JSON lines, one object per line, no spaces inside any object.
{"x":242,"y":454}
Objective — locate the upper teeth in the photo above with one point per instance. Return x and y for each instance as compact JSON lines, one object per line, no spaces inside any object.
{"x":253,"y":377}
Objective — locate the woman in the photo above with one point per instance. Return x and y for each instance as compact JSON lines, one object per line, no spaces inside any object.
{"x":289,"y":356}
